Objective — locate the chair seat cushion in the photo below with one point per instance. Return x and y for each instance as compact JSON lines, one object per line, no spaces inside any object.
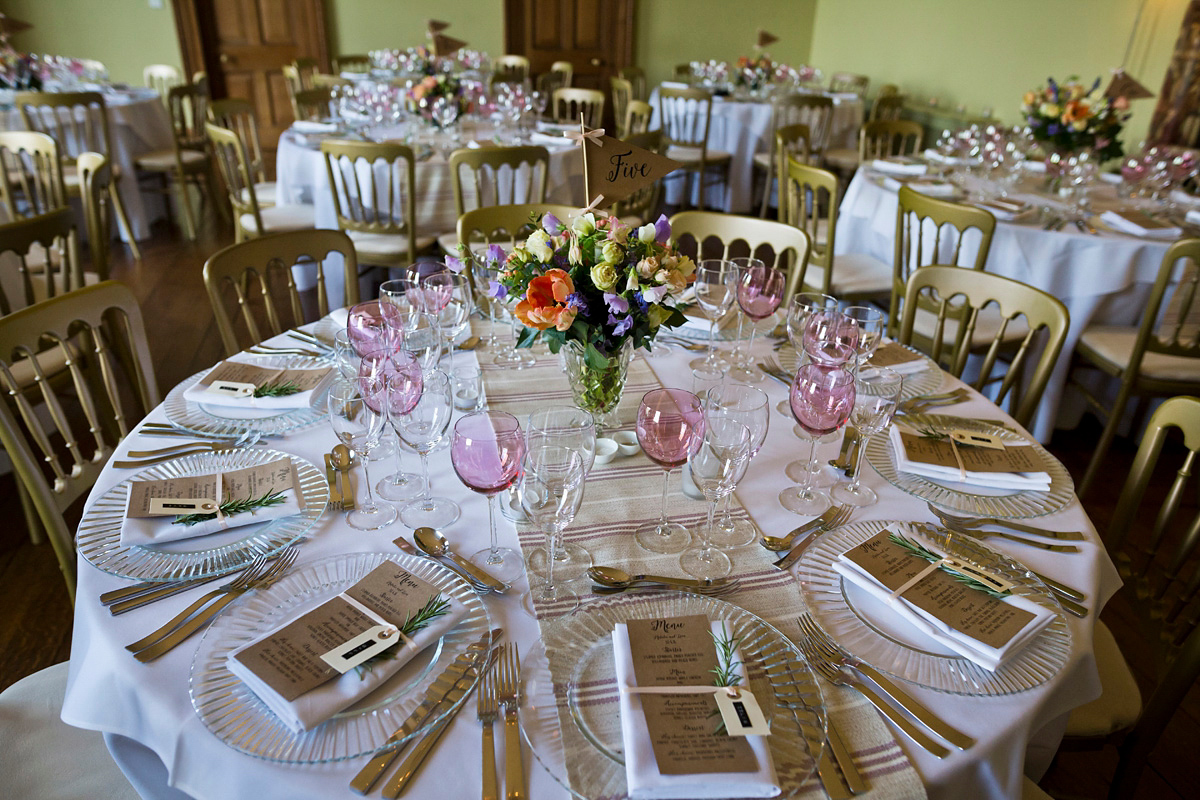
{"x":45,"y":758}
{"x":1113,"y":345}
{"x":842,"y":158}
{"x":385,"y":247}
{"x":763,"y":160}
{"x":264,"y":192}
{"x":860,"y":274}
{"x":164,"y":160}
{"x":277,"y":219}
{"x":1120,"y":700}
{"x":690,"y":156}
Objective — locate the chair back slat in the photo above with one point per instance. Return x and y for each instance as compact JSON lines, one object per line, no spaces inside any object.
{"x":684,"y":116}
{"x":373,"y":187}
{"x":499,"y":176}
{"x":638,"y":117}
{"x":510,"y":68}
{"x":77,"y":121}
{"x":39,"y":257}
{"x":237,"y":115}
{"x":809,"y":201}
{"x":789,"y":245}
{"x":622,"y":93}
{"x":95,"y":180}
{"x":637,"y":80}
{"x":569,"y":104}
{"x":889,"y":137}
{"x":31,"y":182}
{"x":235,"y":170}
{"x":815,"y":111}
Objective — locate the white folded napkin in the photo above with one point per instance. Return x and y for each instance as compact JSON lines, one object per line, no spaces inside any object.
{"x":643,"y":779}
{"x":990,"y":658}
{"x":1005,"y":210}
{"x":1182,"y":198}
{"x":1140,"y":224}
{"x":925,"y":187}
{"x":199,"y":393}
{"x":312,"y":126}
{"x":549,"y":139}
{"x":340,"y":317}
{"x":1034,"y":166}
{"x":933,"y":155}
{"x":1019,"y":481}
{"x":1193,"y":216}
{"x":900,"y":165}
{"x":314,"y":707}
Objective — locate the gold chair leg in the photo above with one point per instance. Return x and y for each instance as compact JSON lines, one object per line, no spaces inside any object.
{"x":766,"y":200}
{"x":1106,"y":438}
{"x":32,"y":521}
{"x":185,"y":198}
{"x":123,"y":219}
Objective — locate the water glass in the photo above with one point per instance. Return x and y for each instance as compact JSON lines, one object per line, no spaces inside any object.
{"x":716,"y":289}
{"x":359,"y":426}
{"x":423,"y":429}
{"x":716,"y":466}
{"x":467,"y":382}
{"x":751,"y":407}
{"x":574,"y":429}
{"x":551,"y":491}
{"x":876,"y":393}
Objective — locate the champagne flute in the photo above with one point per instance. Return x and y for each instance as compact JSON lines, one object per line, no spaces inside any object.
{"x":574,"y":429}
{"x":822,"y":398}
{"x":716,"y":466}
{"x":740,"y":355}
{"x":486,"y":452}
{"x":759,"y":292}
{"x":751,"y":407}
{"x":716,"y":289}
{"x":670,"y":426}
{"x":358,"y":425}
{"x":876,"y":393}
{"x":551,"y":491}
{"x":422,"y":429}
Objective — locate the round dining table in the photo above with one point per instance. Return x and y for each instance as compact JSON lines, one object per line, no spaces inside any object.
{"x":146,"y":713}
{"x":1102,"y":277}
{"x":139,"y":124}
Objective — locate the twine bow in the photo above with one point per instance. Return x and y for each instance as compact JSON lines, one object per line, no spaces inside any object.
{"x":592,"y":206}
{"x":579,"y":137}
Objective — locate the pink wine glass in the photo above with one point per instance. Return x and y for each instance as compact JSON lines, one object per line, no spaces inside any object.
{"x":822,"y":399}
{"x":670,"y":428}
{"x":405,"y":384}
{"x":486,"y":452}
{"x":372,"y":325}
{"x":759,"y":293}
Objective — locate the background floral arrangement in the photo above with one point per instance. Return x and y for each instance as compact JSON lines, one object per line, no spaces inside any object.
{"x":426,"y":91}
{"x":597,"y":282}
{"x":756,"y":72}
{"x":1070,"y":118}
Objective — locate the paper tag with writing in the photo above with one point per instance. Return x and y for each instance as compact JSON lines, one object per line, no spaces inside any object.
{"x":240,"y":484}
{"x":741,"y":714}
{"x":969,"y":611}
{"x":256,"y":376}
{"x":363,"y":647}
{"x":232,"y":388}
{"x":891,"y":354}
{"x":940,"y":452}
{"x":167,"y":506}
{"x":617,"y":169}
{"x":679,"y":651}
{"x":976,"y":439}
{"x":289,"y":659}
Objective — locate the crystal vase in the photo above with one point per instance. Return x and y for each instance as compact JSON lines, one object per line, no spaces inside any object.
{"x":598,"y":390}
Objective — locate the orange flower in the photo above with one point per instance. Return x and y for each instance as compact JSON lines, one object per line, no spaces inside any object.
{"x":1076,"y":110}
{"x":545,"y":301}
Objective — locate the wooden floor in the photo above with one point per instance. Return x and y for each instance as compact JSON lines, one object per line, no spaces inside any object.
{"x":35,"y":630}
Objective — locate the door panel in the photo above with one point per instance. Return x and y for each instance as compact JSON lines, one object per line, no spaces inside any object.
{"x":595,"y":37}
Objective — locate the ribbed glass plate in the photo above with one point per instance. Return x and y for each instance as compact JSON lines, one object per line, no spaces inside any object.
{"x":915,"y":383}
{"x":238,"y":718}
{"x":99,"y":536}
{"x":570,"y":681}
{"x":217,"y":421}
{"x":976,"y":501}
{"x":869,"y":630}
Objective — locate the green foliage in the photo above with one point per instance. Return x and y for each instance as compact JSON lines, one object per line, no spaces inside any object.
{"x":231,"y":507}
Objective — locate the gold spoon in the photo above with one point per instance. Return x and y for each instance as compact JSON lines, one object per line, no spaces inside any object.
{"x":343,"y":461}
{"x":470,"y":343}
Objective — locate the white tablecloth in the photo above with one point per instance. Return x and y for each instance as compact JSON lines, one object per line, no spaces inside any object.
{"x":147,"y":709}
{"x":744,"y":128}
{"x":138,"y":123}
{"x":1103,"y":279}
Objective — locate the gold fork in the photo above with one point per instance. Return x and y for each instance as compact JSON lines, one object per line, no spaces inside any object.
{"x":508,"y":694}
{"x":486,"y":711}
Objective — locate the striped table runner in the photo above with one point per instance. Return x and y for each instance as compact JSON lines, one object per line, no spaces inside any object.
{"x":627,"y":492}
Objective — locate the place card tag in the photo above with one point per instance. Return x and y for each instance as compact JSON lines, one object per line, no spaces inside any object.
{"x":232,"y":388}
{"x":891,"y":354}
{"x":239,"y":484}
{"x":241,"y":374}
{"x":741,"y":713}
{"x":169,"y":507}
{"x":363,"y":647}
{"x":942,"y":452}
{"x":976,"y":439}
{"x":1142,"y":220}
{"x":971,"y":612}
{"x":679,"y":651}
{"x":290,"y":659}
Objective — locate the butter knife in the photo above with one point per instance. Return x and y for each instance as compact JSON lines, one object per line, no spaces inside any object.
{"x":129,"y":603}
{"x":911,"y":705}
{"x":445,"y":683}
{"x":847,"y":459}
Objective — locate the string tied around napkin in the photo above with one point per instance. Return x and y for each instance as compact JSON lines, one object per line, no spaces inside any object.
{"x":222,"y":520}
{"x":389,"y":629}
{"x":732,"y":691}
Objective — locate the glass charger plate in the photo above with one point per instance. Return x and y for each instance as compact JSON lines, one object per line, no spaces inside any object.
{"x":874,"y":633}
{"x":238,"y":718}
{"x":979,"y":501}
{"x":578,"y":654}
{"x":99,"y":537}
{"x":915,"y":383}
{"x":219,"y":421}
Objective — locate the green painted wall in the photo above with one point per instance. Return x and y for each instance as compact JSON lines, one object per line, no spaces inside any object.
{"x":356,"y":26}
{"x":125,"y":34}
{"x":984,"y":53}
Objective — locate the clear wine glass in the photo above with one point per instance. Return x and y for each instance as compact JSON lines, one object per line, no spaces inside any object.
{"x":486,"y":452}
{"x":876,"y":393}
{"x":670,"y":426}
{"x":715,"y":466}
{"x":822,"y":398}
{"x":759,"y":292}
{"x":751,"y":407}
{"x":423,"y":429}
{"x":800,"y":308}
{"x":404,"y":384}
{"x":551,"y":491}
{"x":831,"y":338}
{"x":716,"y":289}
{"x":485,"y":272}
{"x":372,"y":324}
{"x":870,"y":323}
{"x":344,"y":355}
{"x":574,"y":429}
{"x":740,"y":357}
{"x":422,"y":338}
{"x":358,"y":425}
{"x":455,"y":315}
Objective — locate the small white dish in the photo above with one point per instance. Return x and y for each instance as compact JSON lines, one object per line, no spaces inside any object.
{"x":627,"y":442}
{"x":606,"y":450}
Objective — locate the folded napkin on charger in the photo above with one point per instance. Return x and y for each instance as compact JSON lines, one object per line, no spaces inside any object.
{"x":312,"y":126}
{"x":1035,"y":481}
{"x":933,"y":155}
{"x":932,"y":188}
{"x":898,"y":359}
{"x":900,"y":165}
{"x":643,"y":778}
{"x":315,"y":379}
{"x":987,"y":656}
{"x":1141,"y":224}
{"x":1001,"y":209}
{"x":1193,"y":216}
{"x":317,"y":705}
{"x":549,"y":139}
{"x":1181,"y":198}
{"x":140,"y":530}
{"x":1034,"y":166}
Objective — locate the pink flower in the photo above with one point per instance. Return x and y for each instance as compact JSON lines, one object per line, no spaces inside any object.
{"x":545,"y":303}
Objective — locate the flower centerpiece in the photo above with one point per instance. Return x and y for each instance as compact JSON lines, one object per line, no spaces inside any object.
{"x":598,"y":287}
{"x":438,"y":98}
{"x":18,"y":70}
{"x":755,"y":73}
{"x":1069,"y":119}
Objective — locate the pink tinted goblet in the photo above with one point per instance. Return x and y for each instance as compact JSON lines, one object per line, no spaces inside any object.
{"x":822,"y":399}
{"x":372,"y":325}
{"x":670,"y":427}
{"x":486,"y":453}
{"x":759,"y":292}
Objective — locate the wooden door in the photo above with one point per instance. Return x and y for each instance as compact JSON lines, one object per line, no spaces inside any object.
{"x":242,"y":44}
{"x":596,"y":36}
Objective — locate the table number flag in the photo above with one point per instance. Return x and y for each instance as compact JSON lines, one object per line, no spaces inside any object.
{"x":437,"y":25}
{"x":613,"y":169}
{"x":766,"y":39}
{"x":446,"y":45}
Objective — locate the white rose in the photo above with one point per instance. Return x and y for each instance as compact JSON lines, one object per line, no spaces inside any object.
{"x":646,"y":233}
{"x":538,"y":245}
{"x":584,"y":224}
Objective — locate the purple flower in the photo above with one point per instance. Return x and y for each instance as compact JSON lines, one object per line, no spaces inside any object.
{"x":551,"y":224}
{"x":1052,"y":129}
{"x":642,"y":305}
{"x":454,"y":265}
{"x":577,"y":301}
{"x":662,"y":229}
{"x":621,"y":326}
{"x":497,"y":290}
{"x":495,"y":254}
{"x":616,"y":304}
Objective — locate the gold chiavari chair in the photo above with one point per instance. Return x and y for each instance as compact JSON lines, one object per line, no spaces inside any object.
{"x":622,"y":93}
{"x":637,"y":78}
{"x":161,"y":78}
{"x":813,"y":111}
{"x":569,"y":103}
{"x":684,"y":116}
{"x":251,"y":218}
{"x":238,"y":116}
{"x":356,"y":62}
{"x":790,"y":246}
{"x":495,"y":176}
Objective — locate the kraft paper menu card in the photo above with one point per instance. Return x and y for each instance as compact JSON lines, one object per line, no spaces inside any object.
{"x":240,"y":384}
{"x":982,"y":627}
{"x":172,"y":509}
{"x":673,"y":746}
{"x":284,"y":666}
{"x":935,"y":456}
{"x":897,"y":358}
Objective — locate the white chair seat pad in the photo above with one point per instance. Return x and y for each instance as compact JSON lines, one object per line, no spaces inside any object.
{"x":842,"y":158}
{"x":264,"y":192}
{"x":859,"y":274}
{"x":277,"y":219}
{"x":1114,"y":344}
{"x":164,"y":160}
{"x":692,"y":155}
{"x":385,"y":246}
{"x":987,"y":326}
{"x":1120,"y":700}
{"x":763,"y":160}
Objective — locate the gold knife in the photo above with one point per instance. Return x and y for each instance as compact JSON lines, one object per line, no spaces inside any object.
{"x":445,"y":683}
{"x":845,"y":761}
{"x":831,"y":782}
{"x":335,"y":493}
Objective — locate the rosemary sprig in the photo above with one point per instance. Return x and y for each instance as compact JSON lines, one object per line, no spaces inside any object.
{"x":232,"y":507}
{"x":435,"y":607}
{"x":920,"y":551}
{"x":726,"y":670}
{"x":277,"y":389}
